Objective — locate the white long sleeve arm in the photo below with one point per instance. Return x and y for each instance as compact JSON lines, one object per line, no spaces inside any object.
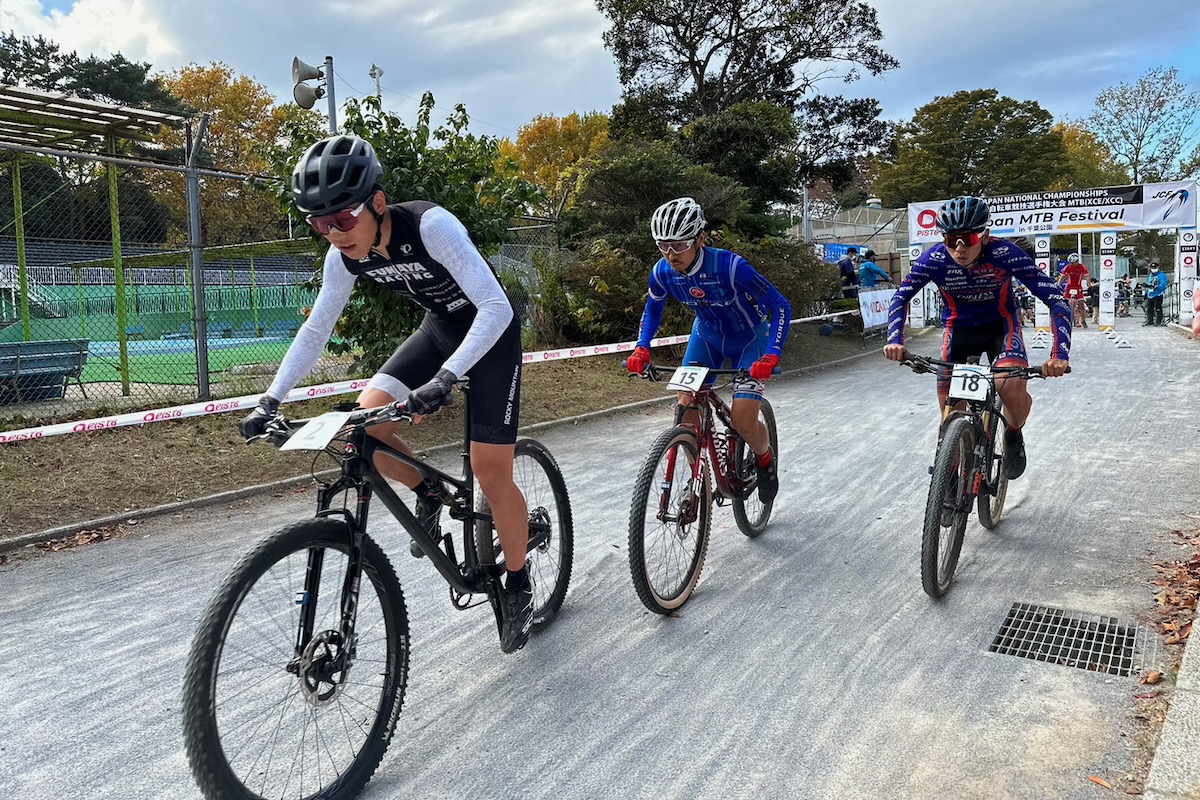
{"x":336,"y":284}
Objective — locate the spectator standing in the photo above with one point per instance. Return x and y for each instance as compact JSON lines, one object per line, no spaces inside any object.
{"x":1093,"y":300}
{"x":1123,"y":292}
{"x":1156,"y":287}
{"x":849,"y":273}
{"x":869,"y":272}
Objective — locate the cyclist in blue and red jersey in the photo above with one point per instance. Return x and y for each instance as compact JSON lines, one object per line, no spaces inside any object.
{"x":740,"y":317}
{"x":975,"y":275}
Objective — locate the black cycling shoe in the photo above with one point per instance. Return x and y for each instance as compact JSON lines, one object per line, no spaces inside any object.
{"x":429,"y":514}
{"x":768,"y":481}
{"x":516,"y":617}
{"x":1014,"y":454}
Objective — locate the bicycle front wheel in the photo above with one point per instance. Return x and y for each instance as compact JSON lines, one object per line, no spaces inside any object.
{"x":551,"y":549}
{"x":750,"y":513}
{"x":992,"y":496}
{"x":273,"y":708}
{"x":947,"y":507}
{"x":669,"y":521}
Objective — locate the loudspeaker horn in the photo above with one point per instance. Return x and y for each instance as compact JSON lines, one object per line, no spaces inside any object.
{"x":306,"y":96}
{"x":303,"y":72}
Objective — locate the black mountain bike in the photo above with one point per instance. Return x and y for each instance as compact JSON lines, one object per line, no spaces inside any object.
{"x":671,"y":513}
{"x":969,"y":466}
{"x":297,"y":673}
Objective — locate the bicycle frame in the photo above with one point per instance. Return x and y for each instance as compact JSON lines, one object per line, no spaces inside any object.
{"x":710,"y":440}
{"x":359,"y":475}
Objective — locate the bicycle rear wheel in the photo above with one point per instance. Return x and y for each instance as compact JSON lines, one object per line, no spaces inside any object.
{"x":551,"y":530}
{"x":669,"y":521}
{"x":992,"y":496}
{"x":268,"y":715}
{"x":947,"y":507}
{"x":750,"y":513}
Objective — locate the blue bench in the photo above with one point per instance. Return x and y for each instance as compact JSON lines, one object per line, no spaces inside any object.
{"x":40,"y":370}
{"x":138,"y":331}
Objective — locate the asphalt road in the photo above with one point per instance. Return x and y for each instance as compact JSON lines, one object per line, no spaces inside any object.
{"x":809,"y":664}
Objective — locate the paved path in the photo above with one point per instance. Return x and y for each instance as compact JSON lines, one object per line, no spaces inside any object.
{"x":809,"y":664}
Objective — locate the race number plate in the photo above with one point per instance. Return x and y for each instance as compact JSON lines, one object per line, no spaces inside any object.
{"x":318,"y":432}
{"x":969,"y":382}
{"x":688,"y":379}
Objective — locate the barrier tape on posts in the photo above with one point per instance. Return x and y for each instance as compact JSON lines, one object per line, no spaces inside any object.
{"x":249,"y":401}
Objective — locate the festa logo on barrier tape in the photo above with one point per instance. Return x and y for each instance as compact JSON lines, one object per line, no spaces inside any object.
{"x":359,"y":384}
{"x":95,"y":425}
{"x":20,"y":437}
{"x":320,"y":391}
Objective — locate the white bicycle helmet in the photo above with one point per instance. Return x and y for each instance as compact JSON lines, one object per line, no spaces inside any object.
{"x":1073,"y":258}
{"x":677,"y":220}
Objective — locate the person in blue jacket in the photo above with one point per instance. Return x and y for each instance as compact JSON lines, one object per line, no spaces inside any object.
{"x":1156,"y":287}
{"x":740,"y":317}
{"x":869,"y":273}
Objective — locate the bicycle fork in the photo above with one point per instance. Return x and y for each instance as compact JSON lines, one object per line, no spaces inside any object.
{"x":689,"y":508}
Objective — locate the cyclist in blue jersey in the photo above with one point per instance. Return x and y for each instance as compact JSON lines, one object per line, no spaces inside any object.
{"x":740,"y":317}
{"x":975,"y":275}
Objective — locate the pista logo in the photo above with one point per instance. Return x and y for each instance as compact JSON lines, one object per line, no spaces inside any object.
{"x":224,"y":405}
{"x":318,"y":391}
{"x":927,"y":218}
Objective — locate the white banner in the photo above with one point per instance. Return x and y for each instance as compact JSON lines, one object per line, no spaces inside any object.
{"x":1041,"y":312}
{"x":1108,"y":279}
{"x":873,"y":303}
{"x":1146,"y":206}
{"x":1186,"y":260}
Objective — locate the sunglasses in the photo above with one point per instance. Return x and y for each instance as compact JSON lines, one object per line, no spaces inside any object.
{"x":966,"y":238}
{"x":344,"y":220}
{"x":675,"y":247}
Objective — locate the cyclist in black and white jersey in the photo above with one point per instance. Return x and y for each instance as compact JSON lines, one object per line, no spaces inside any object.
{"x":421,"y":251}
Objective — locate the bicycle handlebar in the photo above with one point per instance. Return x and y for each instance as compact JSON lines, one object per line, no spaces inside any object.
{"x":280,"y":428}
{"x":653,"y":372}
{"x":924,"y":364}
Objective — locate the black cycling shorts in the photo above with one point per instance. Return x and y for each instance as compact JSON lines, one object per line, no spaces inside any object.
{"x":495,"y":389}
{"x":999,"y":341}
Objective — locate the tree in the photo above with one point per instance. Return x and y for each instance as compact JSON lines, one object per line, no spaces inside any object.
{"x":1091,"y":162}
{"x":1150,"y":125}
{"x":41,"y":64}
{"x":973,"y":142}
{"x":445,"y":165}
{"x":245,"y":122}
{"x":551,"y":151}
{"x":834,"y":135}
{"x":707,"y":55}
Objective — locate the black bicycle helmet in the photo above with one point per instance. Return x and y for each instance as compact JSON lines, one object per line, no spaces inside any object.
{"x":335,"y":173}
{"x":964,"y":213}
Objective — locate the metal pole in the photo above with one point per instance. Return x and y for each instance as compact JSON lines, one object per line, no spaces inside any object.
{"x":114,"y":222}
{"x":329,"y":94}
{"x":199,"y":311}
{"x":808,"y":234}
{"x":22,"y":267}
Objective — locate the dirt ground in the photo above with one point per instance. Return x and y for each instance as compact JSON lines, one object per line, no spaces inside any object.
{"x":85,"y":476}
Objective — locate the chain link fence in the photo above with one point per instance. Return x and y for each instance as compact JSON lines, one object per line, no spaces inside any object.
{"x":100,"y":308}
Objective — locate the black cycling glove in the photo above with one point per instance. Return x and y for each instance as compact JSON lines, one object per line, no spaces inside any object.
{"x":426,"y":399}
{"x":255,"y":423}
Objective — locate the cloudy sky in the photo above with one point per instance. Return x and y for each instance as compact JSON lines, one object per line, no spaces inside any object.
{"x":508,"y":60}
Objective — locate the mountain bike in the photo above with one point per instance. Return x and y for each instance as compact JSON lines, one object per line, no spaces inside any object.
{"x":297,"y":673}
{"x":671,"y":514}
{"x":969,"y":466}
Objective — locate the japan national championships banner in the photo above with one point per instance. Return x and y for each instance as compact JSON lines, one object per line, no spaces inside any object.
{"x":1151,"y":205}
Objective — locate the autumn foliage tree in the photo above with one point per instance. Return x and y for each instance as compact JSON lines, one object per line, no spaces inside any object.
{"x":551,"y":152}
{"x":245,"y":122}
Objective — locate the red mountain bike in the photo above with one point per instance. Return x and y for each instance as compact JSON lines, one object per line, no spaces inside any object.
{"x":671,"y":514}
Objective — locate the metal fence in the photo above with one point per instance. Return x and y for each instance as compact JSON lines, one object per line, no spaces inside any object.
{"x":101,"y":302}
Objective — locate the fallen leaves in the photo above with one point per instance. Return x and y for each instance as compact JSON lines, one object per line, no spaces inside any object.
{"x":78,"y":540}
{"x":1152,"y":677}
{"x":1098,"y":780}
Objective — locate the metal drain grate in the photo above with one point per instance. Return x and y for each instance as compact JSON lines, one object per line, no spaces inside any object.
{"x":1074,"y":639}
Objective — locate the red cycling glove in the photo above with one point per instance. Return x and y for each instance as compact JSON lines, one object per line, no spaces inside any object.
{"x":761,"y":370}
{"x":638,"y":362}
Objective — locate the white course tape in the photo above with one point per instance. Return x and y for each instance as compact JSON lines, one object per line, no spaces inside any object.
{"x":309,"y":392}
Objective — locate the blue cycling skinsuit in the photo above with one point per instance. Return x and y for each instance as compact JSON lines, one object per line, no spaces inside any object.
{"x":740,"y":315}
{"x":980,"y":309}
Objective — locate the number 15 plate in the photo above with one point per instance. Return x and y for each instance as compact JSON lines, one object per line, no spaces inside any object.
{"x":688,"y":379}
